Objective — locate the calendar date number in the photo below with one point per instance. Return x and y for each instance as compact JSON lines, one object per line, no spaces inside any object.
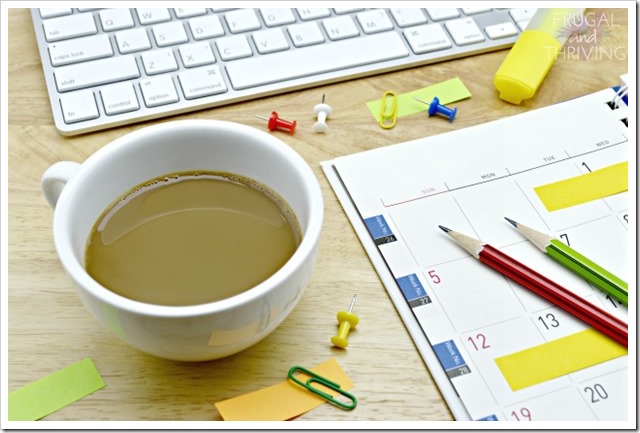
{"x":522,"y":414}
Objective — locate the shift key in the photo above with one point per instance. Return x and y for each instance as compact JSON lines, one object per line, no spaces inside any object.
{"x":96,"y":72}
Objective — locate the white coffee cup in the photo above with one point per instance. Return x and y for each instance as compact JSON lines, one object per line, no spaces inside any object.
{"x":79,"y":193}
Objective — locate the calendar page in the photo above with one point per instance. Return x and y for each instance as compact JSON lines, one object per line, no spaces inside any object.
{"x":497,"y":350}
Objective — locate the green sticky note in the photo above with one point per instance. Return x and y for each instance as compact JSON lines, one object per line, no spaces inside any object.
{"x":55,"y":391}
{"x":447,"y":92}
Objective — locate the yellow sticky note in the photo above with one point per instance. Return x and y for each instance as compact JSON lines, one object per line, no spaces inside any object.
{"x":283,"y":401}
{"x":557,"y":358}
{"x":584,"y":188}
{"x":55,"y":391}
{"x":447,"y":92}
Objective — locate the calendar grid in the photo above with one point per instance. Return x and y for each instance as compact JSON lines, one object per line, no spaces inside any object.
{"x":469,"y":315}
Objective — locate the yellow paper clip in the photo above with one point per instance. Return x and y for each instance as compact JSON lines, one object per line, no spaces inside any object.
{"x":315,"y":378}
{"x":388,"y":120}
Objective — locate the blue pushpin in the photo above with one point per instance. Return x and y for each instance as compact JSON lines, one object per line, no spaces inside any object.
{"x":435,"y":107}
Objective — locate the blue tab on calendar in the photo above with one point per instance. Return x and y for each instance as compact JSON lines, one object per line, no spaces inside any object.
{"x":488,"y":418}
{"x":379,"y":230}
{"x":413,"y":290}
{"x":451,"y":359}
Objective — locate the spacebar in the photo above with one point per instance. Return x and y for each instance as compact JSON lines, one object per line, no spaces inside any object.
{"x":316,"y":59}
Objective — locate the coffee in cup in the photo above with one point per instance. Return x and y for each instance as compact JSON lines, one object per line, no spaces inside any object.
{"x":191,"y":238}
{"x":122,"y":186}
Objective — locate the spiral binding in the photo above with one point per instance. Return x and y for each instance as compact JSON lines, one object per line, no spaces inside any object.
{"x":622,"y":93}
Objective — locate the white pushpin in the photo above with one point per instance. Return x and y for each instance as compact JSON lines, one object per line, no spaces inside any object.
{"x":323,"y":111}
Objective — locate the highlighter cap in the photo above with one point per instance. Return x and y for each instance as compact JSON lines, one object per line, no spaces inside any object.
{"x":526,"y":65}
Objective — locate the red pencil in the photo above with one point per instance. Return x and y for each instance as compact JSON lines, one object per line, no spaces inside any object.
{"x":543,"y":286}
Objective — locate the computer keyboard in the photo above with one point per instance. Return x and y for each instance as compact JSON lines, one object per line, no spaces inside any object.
{"x":109,"y":67}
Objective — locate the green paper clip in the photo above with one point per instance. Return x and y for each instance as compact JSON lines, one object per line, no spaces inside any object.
{"x":314,"y":378}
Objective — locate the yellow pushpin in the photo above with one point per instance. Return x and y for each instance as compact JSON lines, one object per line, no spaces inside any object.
{"x":346,"y":319}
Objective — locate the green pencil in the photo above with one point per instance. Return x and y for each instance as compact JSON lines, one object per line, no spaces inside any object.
{"x":576,"y":262}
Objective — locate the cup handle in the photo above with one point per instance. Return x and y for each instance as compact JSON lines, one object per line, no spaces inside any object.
{"x":55,"y":178}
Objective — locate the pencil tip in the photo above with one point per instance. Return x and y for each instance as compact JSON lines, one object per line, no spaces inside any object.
{"x":444,"y":229}
{"x":513,"y":223}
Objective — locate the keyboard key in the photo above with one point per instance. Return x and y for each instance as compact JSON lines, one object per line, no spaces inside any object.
{"x":499,"y":31}
{"x":439,"y":14}
{"x":342,"y":11}
{"x":374,"y":21}
{"x":70,"y":26}
{"x":54,"y":12}
{"x":307,"y":14}
{"x":169,"y":34}
{"x":242,"y":20}
{"x":115,"y":19}
{"x":158,"y":90}
{"x":233,"y":47}
{"x":206,"y":27}
{"x":464,"y":31}
{"x":427,"y":38}
{"x":131,"y":41}
{"x":197,"y":54}
{"x":119,"y":98}
{"x":408,"y":17}
{"x":277,"y":16}
{"x":189,"y":12}
{"x":305,"y":34}
{"x":270,"y":41}
{"x":200,"y":82}
{"x":255,"y":71}
{"x":79,"y":106}
{"x":159,"y":61}
{"x":340,"y":28}
{"x":475,"y":11}
{"x":96,"y":72}
{"x":520,"y":14}
{"x":523,"y":24}
{"x":80,"y":50}
{"x":152,"y":16}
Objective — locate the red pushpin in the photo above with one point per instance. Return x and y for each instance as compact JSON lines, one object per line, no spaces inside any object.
{"x":277,"y":123}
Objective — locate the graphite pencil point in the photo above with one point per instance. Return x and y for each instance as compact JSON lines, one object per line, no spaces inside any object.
{"x":513,"y":223}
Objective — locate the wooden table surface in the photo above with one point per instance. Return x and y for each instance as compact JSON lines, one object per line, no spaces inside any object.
{"x":49,"y":328}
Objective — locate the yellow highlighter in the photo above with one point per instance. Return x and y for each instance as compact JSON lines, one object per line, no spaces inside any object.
{"x":535,"y":51}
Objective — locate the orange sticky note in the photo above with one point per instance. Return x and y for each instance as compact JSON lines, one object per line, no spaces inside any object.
{"x":283,"y":401}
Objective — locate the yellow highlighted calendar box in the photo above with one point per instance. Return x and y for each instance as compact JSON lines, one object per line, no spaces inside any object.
{"x":556,"y":358}
{"x":584,"y":188}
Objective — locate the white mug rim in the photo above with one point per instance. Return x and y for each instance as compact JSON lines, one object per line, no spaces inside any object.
{"x":76,"y":270}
